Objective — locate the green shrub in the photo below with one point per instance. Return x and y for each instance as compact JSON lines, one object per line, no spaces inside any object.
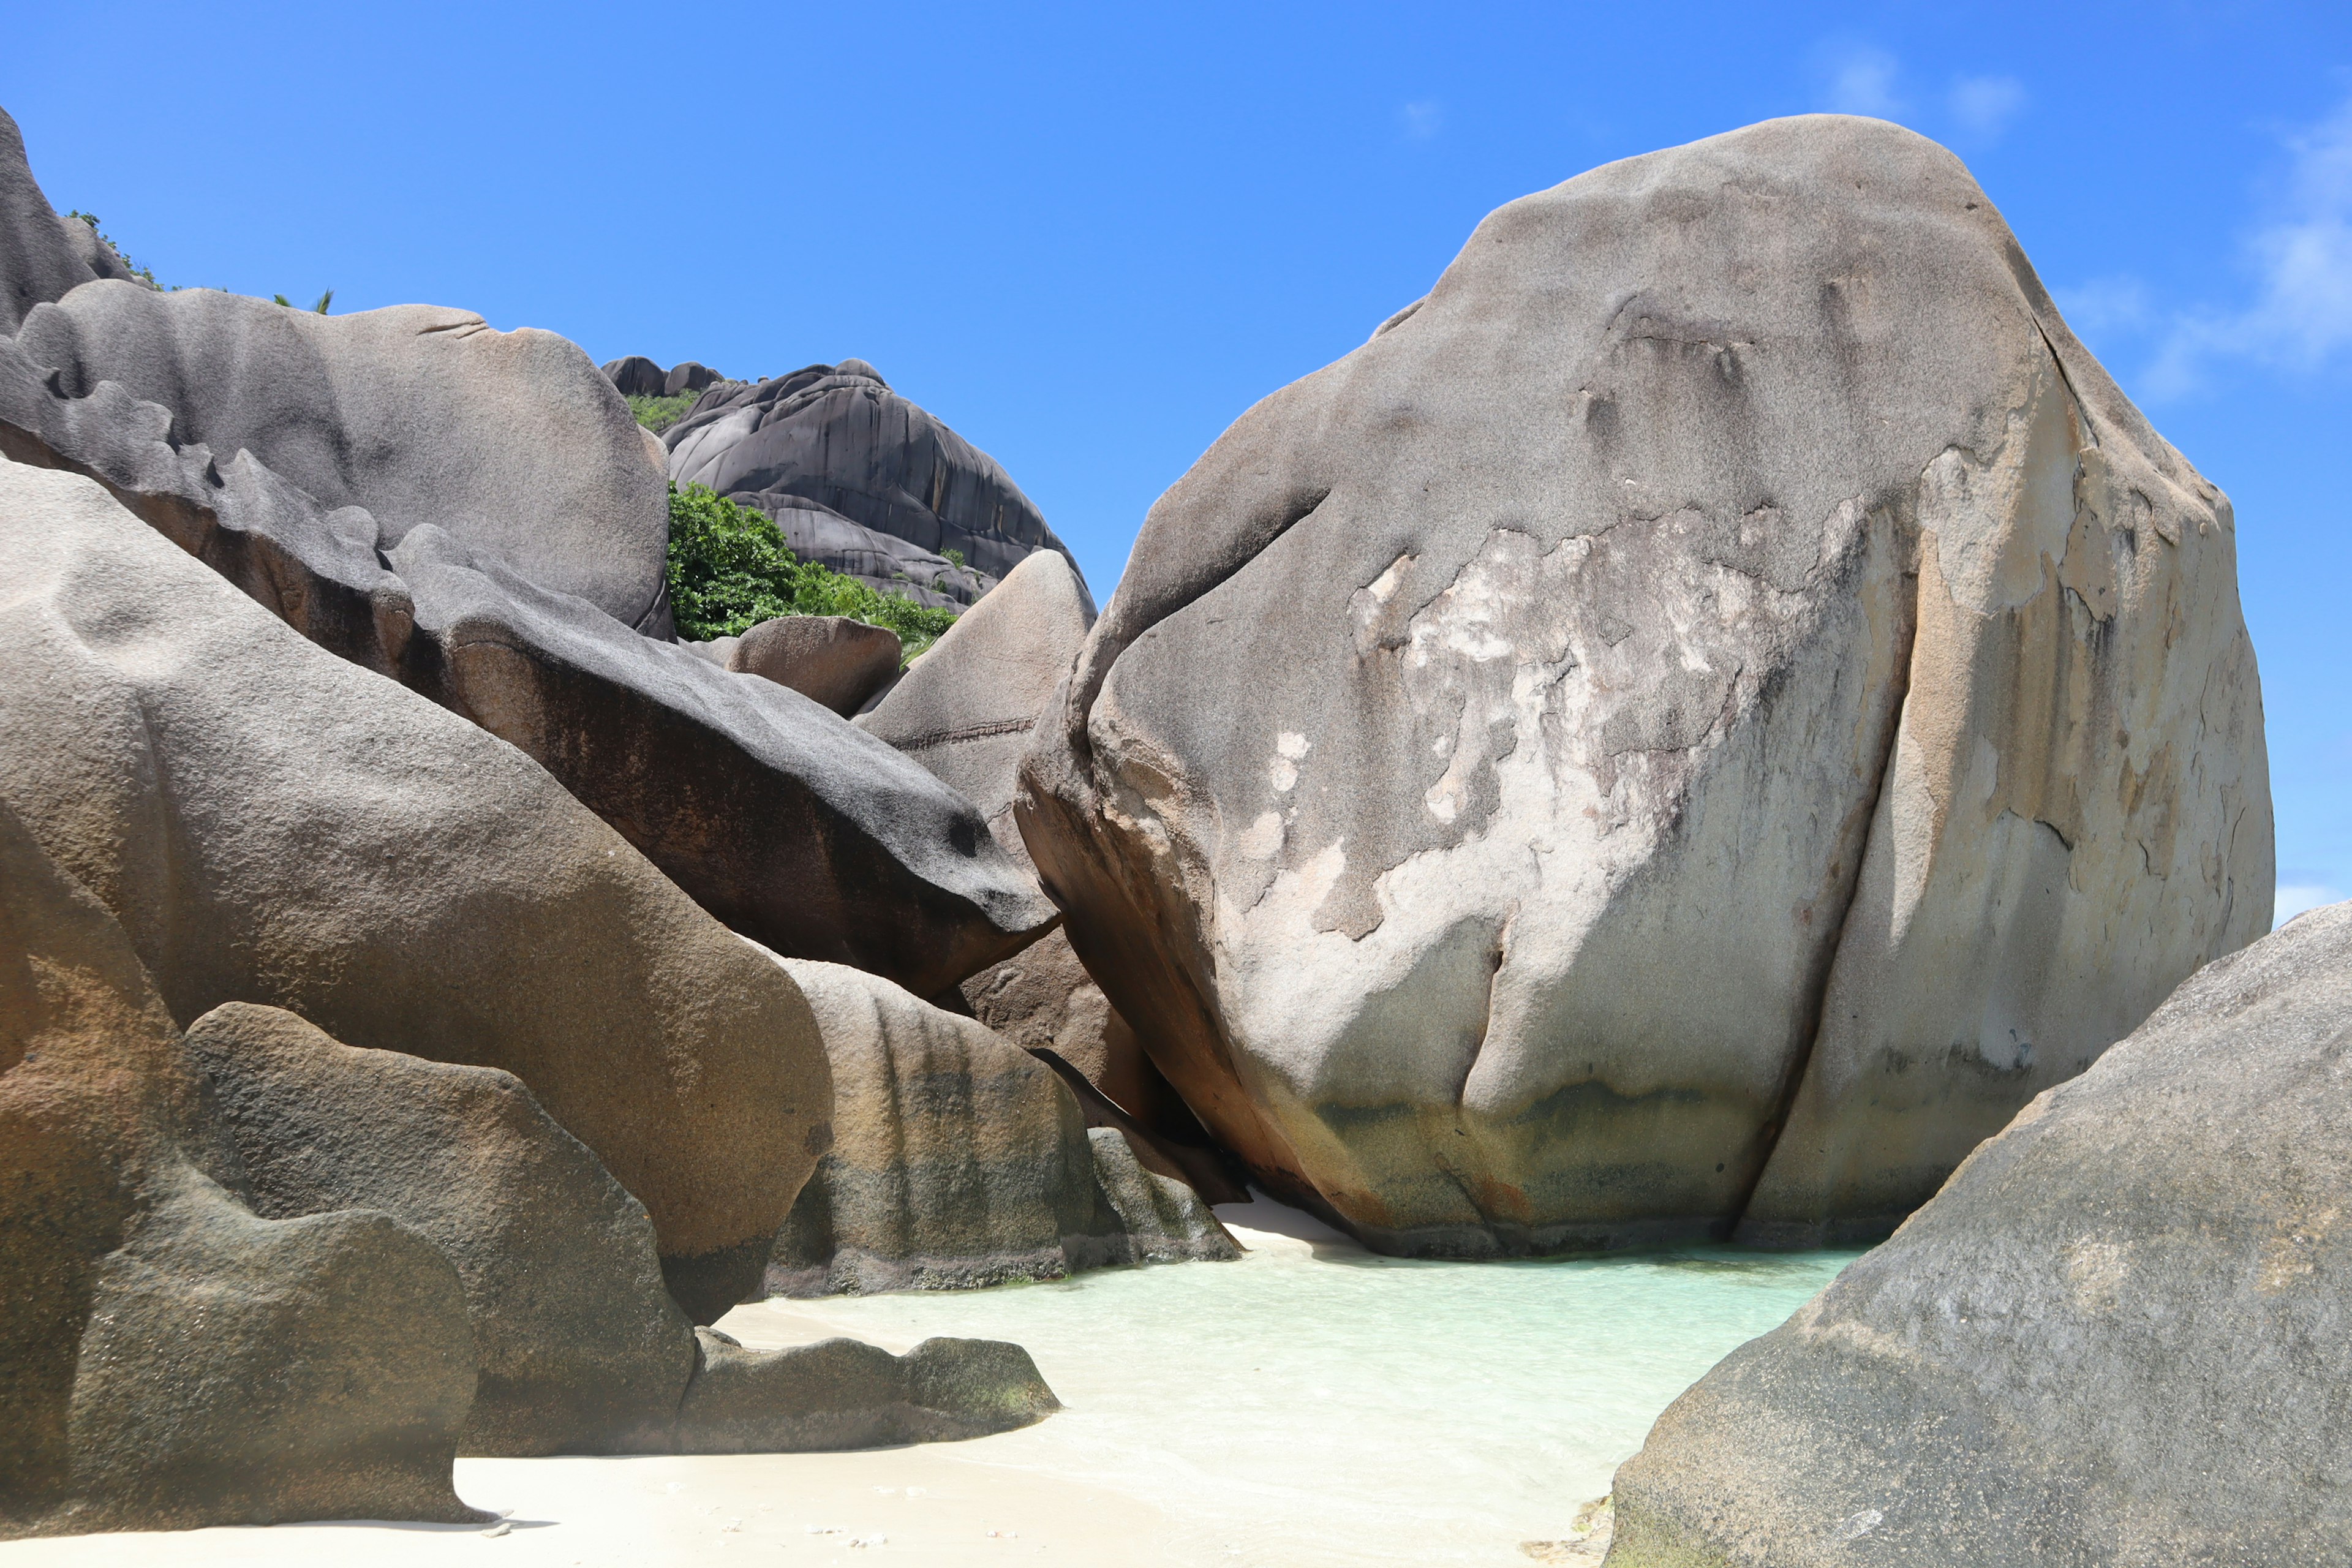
{"x":658,"y":414}
{"x":729,"y":569}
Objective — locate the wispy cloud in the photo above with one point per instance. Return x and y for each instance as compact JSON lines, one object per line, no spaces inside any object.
{"x":2293,"y":900}
{"x":1424,"y":120}
{"x":2118,"y":304}
{"x":1861,"y":80}
{"x":1984,"y":105}
{"x":2301,"y":316}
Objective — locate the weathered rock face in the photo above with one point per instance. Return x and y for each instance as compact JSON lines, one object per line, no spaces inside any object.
{"x":2110,"y":1339}
{"x":854,"y":853}
{"x":333,"y":1367}
{"x":1697,"y":720}
{"x":271,"y":824}
{"x":577,"y":1344}
{"x":961,"y":1160}
{"x":862,"y":481}
{"x":830,"y":660}
{"x":512,"y":442}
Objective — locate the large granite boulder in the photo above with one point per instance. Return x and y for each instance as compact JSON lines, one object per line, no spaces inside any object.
{"x":771,"y":812}
{"x":513,"y":442}
{"x":271,"y":824}
{"x":964,"y":710}
{"x":1694,"y":723}
{"x":580,"y":1349}
{"x":961,"y":1160}
{"x":168,"y":1359}
{"x":862,"y":481}
{"x":2114,"y":1337}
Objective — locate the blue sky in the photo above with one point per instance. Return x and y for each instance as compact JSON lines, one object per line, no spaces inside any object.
{"x":1088,"y":236}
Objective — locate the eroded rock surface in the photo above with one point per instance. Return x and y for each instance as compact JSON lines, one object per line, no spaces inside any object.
{"x":168,"y":1359}
{"x":272,"y":824}
{"x":2111,"y":1338}
{"x":1694,"y":723}
{"x":512,"y":442}
{"x":961,"y":1160}
{"x":863,"y":481}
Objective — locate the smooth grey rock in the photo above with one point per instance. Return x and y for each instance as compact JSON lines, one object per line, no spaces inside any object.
{"x":1696,"y":722}
{"x":832,"y":661}
{"x":2113,"y":1338}
{"x":168,"y":1360}
{"x":272,"y":824}
{"x":589,"y":700}
{"x":511,"y":441}
{"x":577,"y":1345}
{"x":634,"y":377}
{"x":959,"y":1160}
{"x":863,"y":481}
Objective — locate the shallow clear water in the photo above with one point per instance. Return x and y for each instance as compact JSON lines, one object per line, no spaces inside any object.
{"x":1315,"y":1403}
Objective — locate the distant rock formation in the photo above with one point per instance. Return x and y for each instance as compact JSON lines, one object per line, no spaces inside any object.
{"x":863,"y":481}
{"x":637,"y":376}
{"x":1690,"y":727}
{"x":2109,"y":1339}
{"x":959,"y":1160}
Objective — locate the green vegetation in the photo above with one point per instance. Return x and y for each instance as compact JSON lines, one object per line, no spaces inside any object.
{"x":954,"y":558}
{"x":146,"y":274}
{"x":658,"y":414}
{"x":319,"y":309}
{"x":729,"y":569}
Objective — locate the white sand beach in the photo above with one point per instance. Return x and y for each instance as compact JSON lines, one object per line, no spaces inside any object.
{"x":1309,"y":1407}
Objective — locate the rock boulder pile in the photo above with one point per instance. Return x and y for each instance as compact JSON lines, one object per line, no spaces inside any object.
{"x":1689,"y":728}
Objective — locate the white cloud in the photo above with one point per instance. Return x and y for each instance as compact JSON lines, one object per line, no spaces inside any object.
{"x":1984,"y":105}
{"x":2293,"y":900}
{"x":2300,"y":318}
{"x":1861,"y":82}
{"x":1424,"y":120}
{"x":2118,"y":304}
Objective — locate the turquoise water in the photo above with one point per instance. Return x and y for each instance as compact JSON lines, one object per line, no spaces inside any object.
{"x":1313,"y":1403}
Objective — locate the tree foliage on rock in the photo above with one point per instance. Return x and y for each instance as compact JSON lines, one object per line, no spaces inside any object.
{"x":729,"y":569}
